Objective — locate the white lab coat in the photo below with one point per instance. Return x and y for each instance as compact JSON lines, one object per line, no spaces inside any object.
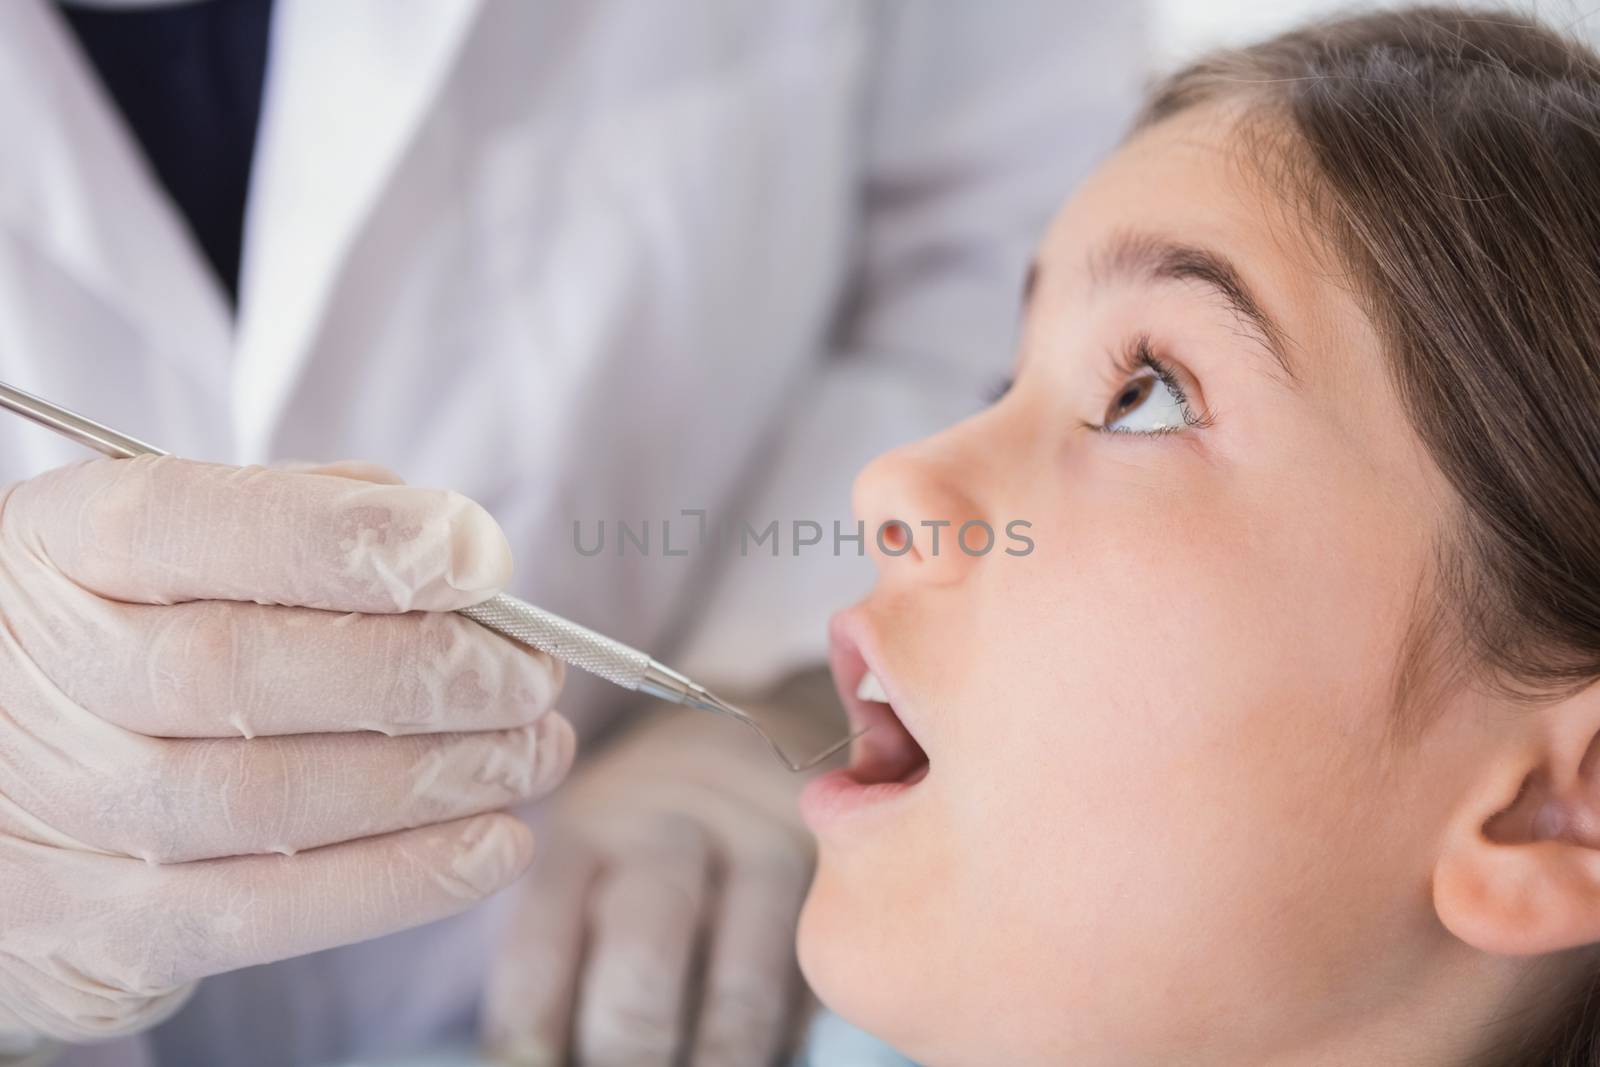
{"x":580,"y":260}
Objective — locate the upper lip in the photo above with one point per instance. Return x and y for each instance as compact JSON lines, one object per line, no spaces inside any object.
{"x":889,"y":749}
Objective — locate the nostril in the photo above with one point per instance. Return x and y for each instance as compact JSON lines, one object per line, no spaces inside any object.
{"x":895,"y":535}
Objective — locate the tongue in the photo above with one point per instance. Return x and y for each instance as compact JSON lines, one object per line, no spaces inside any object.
{"x":886,"y":752}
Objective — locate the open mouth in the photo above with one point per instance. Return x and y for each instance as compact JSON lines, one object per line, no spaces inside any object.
{"x":887,"y":752}
{"x":887,"y":760}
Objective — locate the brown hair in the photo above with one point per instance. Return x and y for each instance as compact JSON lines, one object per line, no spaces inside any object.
{"x":1452,"y":156}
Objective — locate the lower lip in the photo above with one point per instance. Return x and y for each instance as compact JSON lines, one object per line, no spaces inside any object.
{"x":833,"y":797}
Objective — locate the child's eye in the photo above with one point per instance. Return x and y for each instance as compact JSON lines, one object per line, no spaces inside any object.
{"x":1151,"y":399}
{"x":1147,"y":404}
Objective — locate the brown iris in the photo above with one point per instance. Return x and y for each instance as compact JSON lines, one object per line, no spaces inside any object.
{"x":1136,"y":392}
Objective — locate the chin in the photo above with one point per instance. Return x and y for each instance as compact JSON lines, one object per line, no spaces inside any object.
{"x":820,"y":942}
{"x":854,"y":968}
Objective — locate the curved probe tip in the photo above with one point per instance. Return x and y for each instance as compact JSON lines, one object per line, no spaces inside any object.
{"x":712,"y":702}
{"x":832,"y":750}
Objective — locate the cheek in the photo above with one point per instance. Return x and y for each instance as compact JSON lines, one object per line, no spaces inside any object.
{"x":1160,"y":745}
{"x":1168,"y":616}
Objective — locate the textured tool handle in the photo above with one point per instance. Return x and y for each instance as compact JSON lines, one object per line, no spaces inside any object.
{"x":567,"y":641}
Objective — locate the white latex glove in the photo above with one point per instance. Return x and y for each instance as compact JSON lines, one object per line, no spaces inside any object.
{"x":198,"y":668}
{"x":661,"y":928}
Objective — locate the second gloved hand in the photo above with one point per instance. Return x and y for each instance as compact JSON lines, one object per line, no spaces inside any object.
{"x":659,"y":926}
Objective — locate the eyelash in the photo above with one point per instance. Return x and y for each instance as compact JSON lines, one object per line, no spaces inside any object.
{"x":1138,"y":356}
{"x":1127,"y":363}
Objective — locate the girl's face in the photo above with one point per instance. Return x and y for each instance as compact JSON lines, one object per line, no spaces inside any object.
{"x":1164,"y":817}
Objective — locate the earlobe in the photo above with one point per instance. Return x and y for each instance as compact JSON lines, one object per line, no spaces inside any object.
{"x":1519,"y":899}
{"x":1520,"y":874}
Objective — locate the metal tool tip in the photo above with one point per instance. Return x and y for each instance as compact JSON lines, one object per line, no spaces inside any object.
{"x":711,"y":702}
{"x":832,"y":750}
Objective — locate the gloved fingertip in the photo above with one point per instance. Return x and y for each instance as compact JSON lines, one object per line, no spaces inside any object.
{"x":556,"y":750}
{"x":494,"y":851}
{"x":480,"y":555}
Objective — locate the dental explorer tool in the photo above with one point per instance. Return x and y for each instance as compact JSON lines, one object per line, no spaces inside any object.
{"x":505,"y":615}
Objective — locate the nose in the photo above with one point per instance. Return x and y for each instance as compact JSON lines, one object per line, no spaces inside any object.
{"x":921,"y":510}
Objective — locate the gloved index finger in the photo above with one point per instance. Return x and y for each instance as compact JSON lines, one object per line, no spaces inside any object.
{"x":161,"y":530}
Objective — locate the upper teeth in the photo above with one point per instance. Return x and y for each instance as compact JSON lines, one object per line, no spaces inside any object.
{"x":869,"y":688}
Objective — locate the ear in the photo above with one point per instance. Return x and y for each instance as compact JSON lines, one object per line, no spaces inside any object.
{"x":1520,"y":870}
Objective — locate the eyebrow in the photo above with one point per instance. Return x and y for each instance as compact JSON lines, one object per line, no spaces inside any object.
{"x":1149,"y":258}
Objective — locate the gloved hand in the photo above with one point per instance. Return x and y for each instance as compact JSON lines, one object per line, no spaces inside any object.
{"x":198,"y":668}
{"x":661,"y":927}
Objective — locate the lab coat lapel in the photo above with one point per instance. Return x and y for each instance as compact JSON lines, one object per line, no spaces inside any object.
{"x":350,"y":83}
{"x":75,"y":186}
